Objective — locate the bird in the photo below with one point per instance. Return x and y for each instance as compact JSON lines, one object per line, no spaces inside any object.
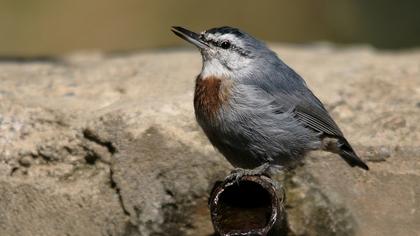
{"x":256,"y":110}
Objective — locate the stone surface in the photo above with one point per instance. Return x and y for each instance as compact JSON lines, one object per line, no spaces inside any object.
{"x":95,"y":144}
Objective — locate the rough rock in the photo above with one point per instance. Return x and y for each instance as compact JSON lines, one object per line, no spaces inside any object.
{"x":94,"y":144}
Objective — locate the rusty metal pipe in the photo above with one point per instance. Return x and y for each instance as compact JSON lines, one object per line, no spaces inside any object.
{"x":250,"y":206}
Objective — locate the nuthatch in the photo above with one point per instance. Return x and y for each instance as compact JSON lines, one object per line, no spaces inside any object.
{"x":256,"y":110}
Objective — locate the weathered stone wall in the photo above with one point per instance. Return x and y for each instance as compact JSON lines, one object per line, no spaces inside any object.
{"x":108,"y":145}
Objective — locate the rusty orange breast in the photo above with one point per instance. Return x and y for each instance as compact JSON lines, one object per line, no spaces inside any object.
{"x":210,"y":94}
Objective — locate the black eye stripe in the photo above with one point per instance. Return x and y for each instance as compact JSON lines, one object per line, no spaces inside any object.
{"x":221,"y":44}
{"x":232,"y":46}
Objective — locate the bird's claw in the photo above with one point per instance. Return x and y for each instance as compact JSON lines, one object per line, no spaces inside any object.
{"x":238,"y":173}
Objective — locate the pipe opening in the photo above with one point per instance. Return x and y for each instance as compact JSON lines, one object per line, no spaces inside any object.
{"x":244,"y":206}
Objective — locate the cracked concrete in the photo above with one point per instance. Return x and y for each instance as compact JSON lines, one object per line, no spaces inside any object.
{"x":106,"y":156}
{"x":108,"y":145}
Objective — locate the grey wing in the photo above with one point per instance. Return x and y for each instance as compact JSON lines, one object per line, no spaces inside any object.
{"x":308,"y":110}
{"x":291,"y":93}
{"x":312,"y":114}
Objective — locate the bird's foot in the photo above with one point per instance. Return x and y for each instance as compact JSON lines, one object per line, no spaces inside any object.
{"x":238,"y":173}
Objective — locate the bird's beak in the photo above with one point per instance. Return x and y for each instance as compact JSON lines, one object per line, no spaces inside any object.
{"x":189,"y":36}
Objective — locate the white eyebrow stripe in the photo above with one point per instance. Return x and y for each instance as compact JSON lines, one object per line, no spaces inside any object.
{"x":229,"y":37}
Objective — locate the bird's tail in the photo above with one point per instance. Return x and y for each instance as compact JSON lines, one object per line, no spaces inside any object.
{"x":349,"y":155}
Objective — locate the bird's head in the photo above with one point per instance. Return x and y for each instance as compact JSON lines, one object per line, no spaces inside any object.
{"x":227,"y":51}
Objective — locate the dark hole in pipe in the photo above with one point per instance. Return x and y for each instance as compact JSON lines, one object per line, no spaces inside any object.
{"x":243,"y":207}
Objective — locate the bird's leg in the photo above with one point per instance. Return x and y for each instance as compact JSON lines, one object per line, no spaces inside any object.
{"x":238,"y":173}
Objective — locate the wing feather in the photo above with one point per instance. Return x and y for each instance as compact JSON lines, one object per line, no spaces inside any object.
{"x":290,"y":92}
{"x":318,"y":120}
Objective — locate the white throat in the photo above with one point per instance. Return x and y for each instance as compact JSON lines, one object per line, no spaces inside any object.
{"x":213,"y":67}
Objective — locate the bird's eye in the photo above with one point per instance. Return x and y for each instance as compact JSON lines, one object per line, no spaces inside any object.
{"x":225,"y":44}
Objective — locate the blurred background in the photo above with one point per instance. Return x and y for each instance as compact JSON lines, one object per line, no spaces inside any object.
{"x":50,"y":27}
